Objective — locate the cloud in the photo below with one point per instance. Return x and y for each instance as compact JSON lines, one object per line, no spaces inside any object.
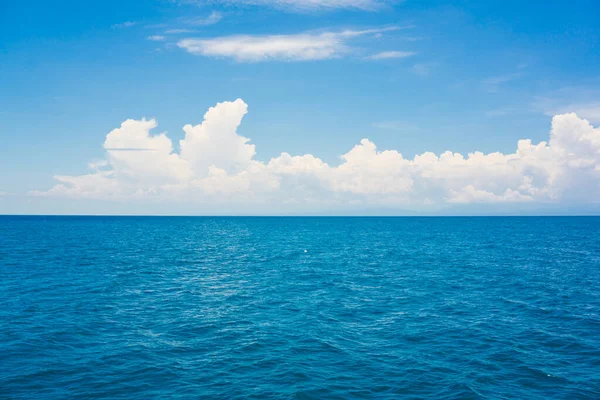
{"x":187,"y":23}
{"x":386,"y":55}
{"x":216,"y":142}
{"x":97,"y":165}
{"x":470,"y":194}
{"x":589,"y":110}
{"x":422,"y":69}
{"x":303,"y":5}
{"x":126,"y":24}
{"x":217,"y":166}
{"x":299,"y":47}
{"x":152,"y":160}
{"x":178,"y":31}
{"x":492,"y":85}
{"x":212,"y":19}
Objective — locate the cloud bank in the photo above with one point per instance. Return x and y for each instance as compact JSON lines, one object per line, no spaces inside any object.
{"x":215,"y":165}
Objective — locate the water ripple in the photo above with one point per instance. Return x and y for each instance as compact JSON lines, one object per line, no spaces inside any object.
{"x":300,"y":308}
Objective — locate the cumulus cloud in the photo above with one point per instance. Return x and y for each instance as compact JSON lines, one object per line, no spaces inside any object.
{"x":216,"y":142}
{"x":216,"y":165}
{"x":156,"y":38}
{"x":137,"y":155}
{"x":298,"y":47}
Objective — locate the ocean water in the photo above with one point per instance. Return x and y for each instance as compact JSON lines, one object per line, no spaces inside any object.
{"x":299,"y":308}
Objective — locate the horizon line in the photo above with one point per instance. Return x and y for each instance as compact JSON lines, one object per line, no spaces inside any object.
{"x":307,"y":215}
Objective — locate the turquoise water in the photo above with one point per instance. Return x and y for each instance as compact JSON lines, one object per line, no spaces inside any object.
{"x":302,"y":308}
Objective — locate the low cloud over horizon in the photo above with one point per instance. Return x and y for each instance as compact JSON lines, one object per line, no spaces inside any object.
{"x":215,"y":165}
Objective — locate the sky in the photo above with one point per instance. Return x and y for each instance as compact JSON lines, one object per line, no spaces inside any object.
{"x":300,"y":107}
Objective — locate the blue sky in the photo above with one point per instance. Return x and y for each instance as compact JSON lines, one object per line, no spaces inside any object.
{"x":316,"y":78}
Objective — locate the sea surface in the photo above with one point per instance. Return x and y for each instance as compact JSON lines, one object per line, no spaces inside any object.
{"x":299,"y":308}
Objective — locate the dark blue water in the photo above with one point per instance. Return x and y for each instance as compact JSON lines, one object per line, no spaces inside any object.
{"x":307,"y":308}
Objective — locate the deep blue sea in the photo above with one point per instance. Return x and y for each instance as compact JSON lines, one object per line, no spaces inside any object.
{"x":300,"y":308}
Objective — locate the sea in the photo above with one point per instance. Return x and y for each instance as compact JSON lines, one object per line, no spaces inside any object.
{"x":299,"y":307}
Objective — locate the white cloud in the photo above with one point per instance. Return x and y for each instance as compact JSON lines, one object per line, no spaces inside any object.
{"x":422,"y":69}
{"x":215,"y":142}
{"x":211,"y":19}
{"x":135,"y":154}
{"x":386,"y":55}
{"x":305,"y":5}
{"x":298,"y":47}
{"x":178,"y":31}
{"x":126,"y":24}
{"x":215,"y":165}
{"x":98,"y":165}
{"x":588,"y":110}
{"x":156,"y":38}
{"x":470,"y":194}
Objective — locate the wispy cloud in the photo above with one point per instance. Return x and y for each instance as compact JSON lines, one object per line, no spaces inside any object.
{"x":581,"y":99}
{"x":178,"y":31}
{"x":302,"y":5}
{"x":422,"y":69}
{"x":126,"y":24}
{"x":211,"y":19}
{"x":492,"y":84}
{"x":298,"y":47}
{"x":185,"y":25}
{"x":589,"y":110}
{"x":156,"y":26}
{"x":97,"y":165}
{"x":386,"y":55}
